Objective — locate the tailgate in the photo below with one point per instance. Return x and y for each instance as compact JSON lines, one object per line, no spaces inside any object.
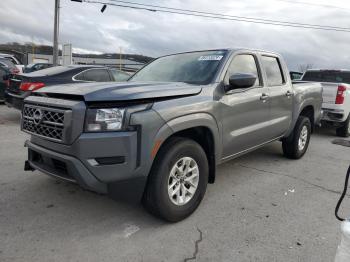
{"x":329,"y":92}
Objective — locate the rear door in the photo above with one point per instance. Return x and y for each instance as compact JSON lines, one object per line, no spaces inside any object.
{"x":281,"y":95}
{"x":245,"y":112}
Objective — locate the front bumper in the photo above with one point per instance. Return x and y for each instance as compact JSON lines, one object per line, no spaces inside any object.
{"x":62,"y":166}
{"x":100,"y":162}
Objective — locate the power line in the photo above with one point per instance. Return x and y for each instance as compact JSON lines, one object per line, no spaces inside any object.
{"x":154,"y":8}
{"x":312,"y":4}
{"x":230,"y":16}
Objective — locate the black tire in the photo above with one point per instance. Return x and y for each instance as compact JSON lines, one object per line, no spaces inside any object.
{"x":344,"y":131}
{"x":290,"y":145}
{"x":156,"y":198}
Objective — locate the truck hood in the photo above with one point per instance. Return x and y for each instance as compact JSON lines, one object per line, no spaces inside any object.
{"x":112,"y":91}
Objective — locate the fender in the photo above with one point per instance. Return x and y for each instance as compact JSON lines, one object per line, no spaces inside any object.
{"x":297,"y":110}
{"x":189,"y":121}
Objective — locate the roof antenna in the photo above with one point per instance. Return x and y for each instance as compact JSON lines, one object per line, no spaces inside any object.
{"x":103,"y":8}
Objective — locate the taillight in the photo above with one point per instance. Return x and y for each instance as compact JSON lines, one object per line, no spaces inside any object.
{"x":340,"y":95}
{"x":25,"y":86}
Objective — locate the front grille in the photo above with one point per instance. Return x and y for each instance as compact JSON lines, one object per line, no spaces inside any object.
{"x":43,"y":121}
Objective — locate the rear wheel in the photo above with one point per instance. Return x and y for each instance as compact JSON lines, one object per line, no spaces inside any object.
{"x":297,"y":143}
{"x":178,"y":180}
{"x":344,"y":131}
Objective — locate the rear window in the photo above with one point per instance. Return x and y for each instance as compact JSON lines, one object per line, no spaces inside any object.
{"x":119,"y":75}
{"x":327,"y":76}
{"x":97,"y":75}
{"x":94,"y":75}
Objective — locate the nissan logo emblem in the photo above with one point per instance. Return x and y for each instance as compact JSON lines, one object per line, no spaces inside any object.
{"x":37,"y":116}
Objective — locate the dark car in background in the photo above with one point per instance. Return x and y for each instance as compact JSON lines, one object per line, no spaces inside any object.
{"x":294,"y":75}
{"x":36,"y":66}
{"x":21,"y":86}
{"x":6,"y":63}
{"x":4,"y":74}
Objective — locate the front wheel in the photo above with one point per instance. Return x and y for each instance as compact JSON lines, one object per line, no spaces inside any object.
{"x":296,"y":144}
{"x":344,"y":131}
{"x":178,"y":180}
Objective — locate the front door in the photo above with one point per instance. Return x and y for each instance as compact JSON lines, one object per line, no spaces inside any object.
{"x":245,"y":112}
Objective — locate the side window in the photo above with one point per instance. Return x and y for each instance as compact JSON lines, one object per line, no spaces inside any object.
{"x":119,"y":76}
{"x":80,"y":76}
{"x":273,"y":71}
{"x":244,"y":64}
{"x":97,"y":75}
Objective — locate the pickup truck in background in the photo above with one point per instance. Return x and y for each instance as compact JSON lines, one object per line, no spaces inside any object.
{"x":159,"y":137}
{"x":336,"y":97}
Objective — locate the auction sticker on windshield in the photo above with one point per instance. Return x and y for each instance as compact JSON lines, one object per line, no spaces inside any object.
{"x":210,"y":57}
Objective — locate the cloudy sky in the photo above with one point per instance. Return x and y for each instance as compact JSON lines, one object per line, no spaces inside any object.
{"x":155,"y":33}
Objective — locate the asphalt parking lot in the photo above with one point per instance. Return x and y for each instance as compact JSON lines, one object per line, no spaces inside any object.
{"x":262,"y":207}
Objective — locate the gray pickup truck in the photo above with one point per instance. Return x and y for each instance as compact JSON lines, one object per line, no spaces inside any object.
{"x":159,"y":137}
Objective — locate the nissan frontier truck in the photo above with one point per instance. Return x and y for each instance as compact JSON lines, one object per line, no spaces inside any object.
{"x":158,"y":137}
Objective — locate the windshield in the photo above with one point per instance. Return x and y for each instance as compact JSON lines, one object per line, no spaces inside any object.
{"x":193,"y":68}
{"x":327,"y":76}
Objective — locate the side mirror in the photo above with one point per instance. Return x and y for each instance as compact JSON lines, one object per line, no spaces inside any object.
{"x":241,"y":81}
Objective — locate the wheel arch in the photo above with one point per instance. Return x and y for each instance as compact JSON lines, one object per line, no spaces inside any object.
{"x":309,"y":112}
{"x":305,"y":109}
{"x":200,"y":127}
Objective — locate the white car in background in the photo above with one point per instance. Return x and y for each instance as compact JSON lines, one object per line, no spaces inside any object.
{"x":14,"y":60}
{"x":336,"y":97}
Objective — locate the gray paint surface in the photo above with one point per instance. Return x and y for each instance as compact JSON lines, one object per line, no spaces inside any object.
{"x":239,"y":120}
{"x":245,"y":216}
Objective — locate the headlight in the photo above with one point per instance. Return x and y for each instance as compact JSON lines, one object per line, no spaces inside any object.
{"x":106,"y":119}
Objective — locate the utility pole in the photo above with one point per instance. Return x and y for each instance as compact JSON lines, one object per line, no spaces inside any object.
{"x":33,"y":52}
{"x":120,"y":58}
{"x":55,"y":32}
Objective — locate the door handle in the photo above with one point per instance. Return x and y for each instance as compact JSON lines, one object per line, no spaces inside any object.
{"x":264,"y":97}
{"x":289,"y":94}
